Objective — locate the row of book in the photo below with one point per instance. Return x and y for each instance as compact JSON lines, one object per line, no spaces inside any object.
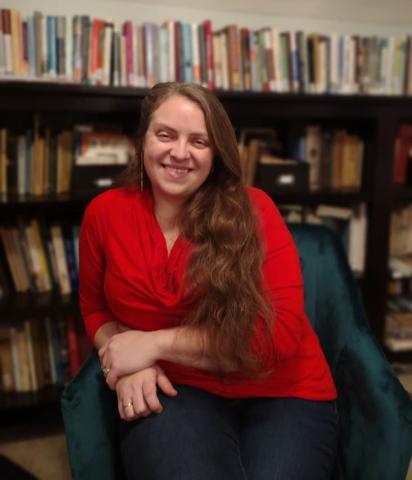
{"x":400,"y":243}
{"x":335,"y":158}
{"x":41,"y":162}
{"x":100,"y":52}
{"x":349,"y":223}
{"x":38,"y":256}
{"x":38,"y":352}
{"x":399,"y":322}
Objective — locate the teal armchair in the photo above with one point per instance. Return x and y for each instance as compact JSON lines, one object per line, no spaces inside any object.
{"x":375,"y":411}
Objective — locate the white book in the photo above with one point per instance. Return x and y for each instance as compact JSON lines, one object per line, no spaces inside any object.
{"x":341,"y":213}
{"x":398,"y":344}
{"x":279,"y":83}
{"x":334,"y":63}
{"x":2,"y":59}
{"x":390,"y":66}
{"x":133,"y":75}
{"x":61,"y":261}
{"x":171,"y":56}
{"x":8,"y":54}
{"x":163,"y":54}
{"x":357,"y":239}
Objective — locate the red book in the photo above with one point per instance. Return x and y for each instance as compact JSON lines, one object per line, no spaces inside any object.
{"x":209,"y":54}
{"x":402,"y":147}
{"x":128,"y":33}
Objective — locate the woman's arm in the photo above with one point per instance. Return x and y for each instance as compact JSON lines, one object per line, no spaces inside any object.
{"x":95,"y":311}
{"x":135,"y":350}
{"x":106,"y":332}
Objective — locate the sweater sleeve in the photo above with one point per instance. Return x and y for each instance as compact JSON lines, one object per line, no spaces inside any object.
{"x":93,"y":306}
{"x":283,"y":285}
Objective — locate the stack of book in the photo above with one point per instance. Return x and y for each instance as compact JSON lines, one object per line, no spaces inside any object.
{"x":399,"y":323}
{"x":400,"y":247}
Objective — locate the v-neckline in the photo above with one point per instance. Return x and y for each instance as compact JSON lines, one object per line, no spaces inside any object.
{"x":161,"y":236}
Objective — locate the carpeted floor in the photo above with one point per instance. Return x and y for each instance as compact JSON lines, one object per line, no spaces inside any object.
{"x":35,"y":441}
{"x":43,"y":457}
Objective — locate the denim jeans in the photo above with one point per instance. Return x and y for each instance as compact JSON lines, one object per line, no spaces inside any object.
{"x":201,"y":436}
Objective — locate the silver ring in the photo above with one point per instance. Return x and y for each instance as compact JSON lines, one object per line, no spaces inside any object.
{"x":129,"y":404}
{"x":105,"y":371}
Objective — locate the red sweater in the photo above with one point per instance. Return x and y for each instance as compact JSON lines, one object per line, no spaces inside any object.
{"x":127,"y":275}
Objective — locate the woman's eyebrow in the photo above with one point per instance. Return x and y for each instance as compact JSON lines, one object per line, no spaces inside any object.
{"x":158,"y":125}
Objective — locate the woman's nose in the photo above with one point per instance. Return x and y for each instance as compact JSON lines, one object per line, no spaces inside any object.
{"x":180,"y":150}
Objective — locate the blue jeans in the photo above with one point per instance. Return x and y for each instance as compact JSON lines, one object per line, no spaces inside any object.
{"x":201,"y":436}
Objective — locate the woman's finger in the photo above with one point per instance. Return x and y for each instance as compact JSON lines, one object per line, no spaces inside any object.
{"x":165,"y":384}
{"x":128,"y":409}
{"x":140,"y":406}
{"x":150,"y":396}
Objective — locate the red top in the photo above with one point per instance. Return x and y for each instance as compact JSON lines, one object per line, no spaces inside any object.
{"x":127,"y":275}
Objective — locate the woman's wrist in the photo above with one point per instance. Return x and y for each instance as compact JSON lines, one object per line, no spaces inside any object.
{"x":162,"y":341}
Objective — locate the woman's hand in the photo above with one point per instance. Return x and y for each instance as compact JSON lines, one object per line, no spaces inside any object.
{"x":127,"y":352}
{"x":137,"y":395}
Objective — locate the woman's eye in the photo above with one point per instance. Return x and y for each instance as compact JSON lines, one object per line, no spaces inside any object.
{"x":163,"y":136}
{"x":200,"y":143}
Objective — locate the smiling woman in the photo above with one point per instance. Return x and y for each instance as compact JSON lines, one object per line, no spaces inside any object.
{"x":178,"y":156}
{"x":191,"y":290}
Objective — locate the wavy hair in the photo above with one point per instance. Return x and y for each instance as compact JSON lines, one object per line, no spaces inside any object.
{"x":225,"y":268}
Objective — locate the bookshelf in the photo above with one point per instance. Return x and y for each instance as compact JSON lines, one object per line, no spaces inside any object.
{"x":64,"y":104}
{"x":377,"y":116}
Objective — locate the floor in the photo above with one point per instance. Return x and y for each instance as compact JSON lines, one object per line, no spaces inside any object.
{"x":37,"y":443}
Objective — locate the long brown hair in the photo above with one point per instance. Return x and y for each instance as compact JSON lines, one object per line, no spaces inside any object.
{"x":225,"y":268}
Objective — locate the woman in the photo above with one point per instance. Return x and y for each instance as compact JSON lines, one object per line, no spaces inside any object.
{"x":192,"y":293}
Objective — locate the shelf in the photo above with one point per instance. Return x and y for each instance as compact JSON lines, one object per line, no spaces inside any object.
{"x":397,"y":345}
{"x":74,"y":88}
{"x":49,"y":395}
{"x":21,"y":306}
{"x":403,"y":194}
{"x":327,"y":197}
{"x":45,"y":96}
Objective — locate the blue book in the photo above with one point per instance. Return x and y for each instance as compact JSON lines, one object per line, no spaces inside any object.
{"x":51,"y":46}
{"x":31,"y":42}
{"x":187,"y":52}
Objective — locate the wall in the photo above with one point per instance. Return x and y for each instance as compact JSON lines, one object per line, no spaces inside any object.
{"x":123,"y":10}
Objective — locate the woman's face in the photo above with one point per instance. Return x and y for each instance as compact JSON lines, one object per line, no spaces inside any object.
{"x":178,"y":155}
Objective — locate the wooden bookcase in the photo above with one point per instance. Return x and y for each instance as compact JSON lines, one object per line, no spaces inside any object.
{"x":376,"y":118}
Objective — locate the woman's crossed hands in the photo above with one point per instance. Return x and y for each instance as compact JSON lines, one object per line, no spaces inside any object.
{"x":137,"y":392}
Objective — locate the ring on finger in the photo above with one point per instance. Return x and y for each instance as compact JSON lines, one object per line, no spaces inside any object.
{"x":128,"y":404}
{"x":105,"y":371}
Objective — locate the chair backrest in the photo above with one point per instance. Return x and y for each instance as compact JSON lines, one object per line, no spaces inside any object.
{"x":375,"y":411}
